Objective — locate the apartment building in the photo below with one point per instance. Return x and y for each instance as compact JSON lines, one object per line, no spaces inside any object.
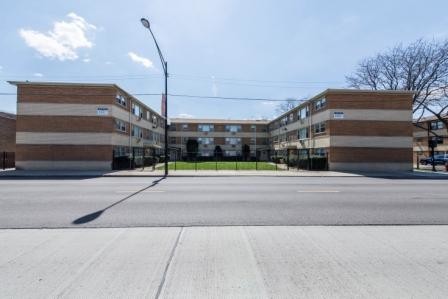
{"x":429,"y":128}
{"x":357,"y":130}
{"x":228,"y":135}
{"x":82,"y":126}
{"x":7,"y":132}
{"x":89,"y":126}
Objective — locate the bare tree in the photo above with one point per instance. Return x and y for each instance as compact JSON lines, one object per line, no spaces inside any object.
{"x":289,"y":104}
{"x":421,"y":67}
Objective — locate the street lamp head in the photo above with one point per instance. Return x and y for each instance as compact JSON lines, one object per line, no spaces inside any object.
{"x":145,"y":22}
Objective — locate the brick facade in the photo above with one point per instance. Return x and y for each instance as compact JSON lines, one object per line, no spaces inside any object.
{"x":7,"y":132}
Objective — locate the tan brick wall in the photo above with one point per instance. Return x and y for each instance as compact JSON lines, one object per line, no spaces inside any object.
{"x":7,"y":134}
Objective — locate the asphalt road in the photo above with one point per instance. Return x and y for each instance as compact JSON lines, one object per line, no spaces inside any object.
{"x":220,"y":201}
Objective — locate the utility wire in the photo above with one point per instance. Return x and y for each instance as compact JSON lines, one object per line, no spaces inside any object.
{"x":176,"y":76}
{"x":158,"y":94}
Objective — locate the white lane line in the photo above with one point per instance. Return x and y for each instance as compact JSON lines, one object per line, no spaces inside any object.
{"x":152,"y":191}
{"x":318,"y":191}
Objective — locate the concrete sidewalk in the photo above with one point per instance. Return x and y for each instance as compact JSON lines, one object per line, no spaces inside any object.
{"x":232,"y":262}
{"x":213,"y":173}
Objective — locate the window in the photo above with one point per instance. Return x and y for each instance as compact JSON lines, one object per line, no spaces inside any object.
{"x":206,"y":128}
{"x":233,"y":140}
{"x":184,"y":127}
{"x":303,"y":133}
{"x":136,"y":110}
{"x":120,"y":99}
{"x":148,"y":115}
{"x":155,"y":121}
{"x":137,"y":132}
{"x":155,"y":137}
{"x":291,"y":117}
{"x":253,"y":127}
{"x":437,"y":124}
{"x":319,"y":128}
{"x":303,"y":112}
{"x":207,"y":153}
{"x":320,"y":152}
{"x":284,"y":121}
{"x":232,"y":153}
{"x":205,"y":140}
{"x":233,"y":128}
{"x":121,"y":151}
{"x":252,"y":140}
{"x":321,"y":103}
{"x":120,"y":125}
{"x":173,"y":140}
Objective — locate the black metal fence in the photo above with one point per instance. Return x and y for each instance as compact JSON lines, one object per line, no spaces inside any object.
{"x":7,"y":160}
{"x":250,"y":161}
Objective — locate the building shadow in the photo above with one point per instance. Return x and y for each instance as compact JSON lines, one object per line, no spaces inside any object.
{"x":95,"y":215}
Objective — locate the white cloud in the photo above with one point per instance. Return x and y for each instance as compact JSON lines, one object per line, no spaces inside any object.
{"x":184,"y":115}
{"x":63,"y":40}
{"x":38,"y":75}
{"x":86,"y":60}
{"x":141,"y":60}
{"x":108,"y":62}
{"x":1,"y":67}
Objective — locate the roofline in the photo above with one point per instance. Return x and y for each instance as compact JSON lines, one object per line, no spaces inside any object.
{"x":113,"y":85}
{"x":343,"y":90}
{"x":217,"y":120}
{"x":8,"y":115}
{"x":48,"y":83}
{"x":428,"y":118}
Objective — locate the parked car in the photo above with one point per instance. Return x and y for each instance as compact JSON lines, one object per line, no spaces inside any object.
{"x":438,"y":160}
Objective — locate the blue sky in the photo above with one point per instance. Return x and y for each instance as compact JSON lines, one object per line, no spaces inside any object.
{"x":257,"y":49}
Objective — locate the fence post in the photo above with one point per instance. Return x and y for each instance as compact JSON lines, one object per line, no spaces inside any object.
{"x":276,"y":168}
{"x":287,"y":159}
{"x":195,"y":163}
{"x":175,"y":163}
{"x":216,"y":163}
{"x":327,"y":166}
{"x":308,"y":159}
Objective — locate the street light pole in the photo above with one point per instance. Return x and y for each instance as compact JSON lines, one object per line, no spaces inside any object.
{"x":146,"y":24}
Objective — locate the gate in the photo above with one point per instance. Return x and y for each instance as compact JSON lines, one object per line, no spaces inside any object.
{"x":7,"y":160}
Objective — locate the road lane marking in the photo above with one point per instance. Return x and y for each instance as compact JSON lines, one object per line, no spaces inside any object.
{"x":133,"y":191}
{"x":318,"y":191}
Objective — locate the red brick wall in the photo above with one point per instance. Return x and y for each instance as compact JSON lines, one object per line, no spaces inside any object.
{"x":7,"y":134}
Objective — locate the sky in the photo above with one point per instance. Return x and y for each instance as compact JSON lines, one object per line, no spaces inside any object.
{"x":227,"y":48}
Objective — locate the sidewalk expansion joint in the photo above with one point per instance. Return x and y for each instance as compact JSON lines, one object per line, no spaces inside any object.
{"x":165,"y":272}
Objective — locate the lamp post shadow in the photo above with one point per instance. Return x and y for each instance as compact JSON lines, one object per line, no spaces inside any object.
{"x":95,"y":215}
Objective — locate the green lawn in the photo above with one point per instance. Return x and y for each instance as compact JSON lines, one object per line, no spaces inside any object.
{"x":182,"y":165}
